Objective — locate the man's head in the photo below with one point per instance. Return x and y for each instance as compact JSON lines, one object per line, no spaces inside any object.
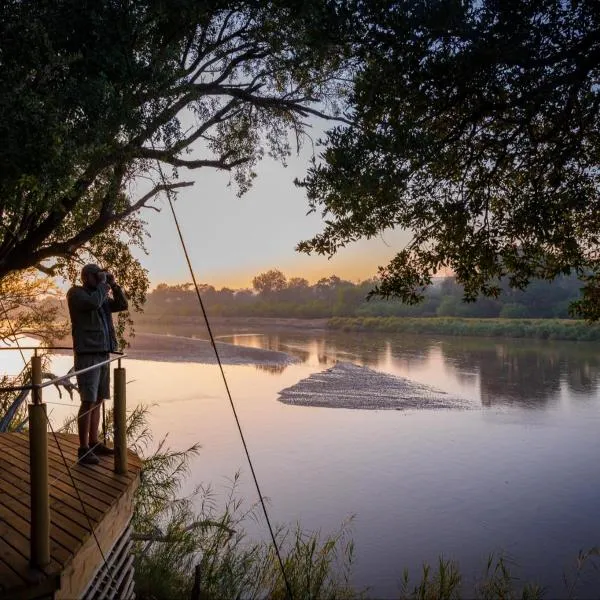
{"x":91,"y":275}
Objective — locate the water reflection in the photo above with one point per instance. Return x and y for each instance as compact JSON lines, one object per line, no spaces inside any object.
{"x":274,"y":369}
{"x":503,"y":372}
{"x":509,"y":375}
{"x":526,"y":373}
{"x":582,"y":378}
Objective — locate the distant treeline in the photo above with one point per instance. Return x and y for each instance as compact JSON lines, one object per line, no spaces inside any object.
{"x":273,"y":295}
{"x":545,"y":329}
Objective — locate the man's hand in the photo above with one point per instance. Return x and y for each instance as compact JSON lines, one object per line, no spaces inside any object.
{"x":110,"y":279}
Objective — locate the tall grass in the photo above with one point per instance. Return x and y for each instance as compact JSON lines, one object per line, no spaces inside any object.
{"x":443,"y":584}
{"x":179,"y":536}
{"x":498,"y":582}
{"x":547,"y":329}
{"x":231,"y":565}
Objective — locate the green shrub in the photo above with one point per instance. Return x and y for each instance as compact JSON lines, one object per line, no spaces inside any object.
{"x":552,"y":329}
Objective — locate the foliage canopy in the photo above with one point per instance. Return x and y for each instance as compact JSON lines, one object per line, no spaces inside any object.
{"x":476,"y":127}
{"x":95,"y":94}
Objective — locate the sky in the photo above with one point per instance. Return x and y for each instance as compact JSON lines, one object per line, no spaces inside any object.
{"x":231,"y":239}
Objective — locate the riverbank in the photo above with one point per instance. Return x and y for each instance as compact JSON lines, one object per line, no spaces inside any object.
{"x":546,"y":329}
{"x":223,"y":325}
{"x":180,"y":348}
{"x":541,"y":329}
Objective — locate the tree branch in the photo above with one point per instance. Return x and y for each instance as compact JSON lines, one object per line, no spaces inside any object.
{"x":50,"y":271}
{"x":163,"y":187}
{"x":37,"y":235}
{"x":167,"y":156}
{"x":216,"y":118}
{"x":274,"y":102}
{"x":68,"y":247}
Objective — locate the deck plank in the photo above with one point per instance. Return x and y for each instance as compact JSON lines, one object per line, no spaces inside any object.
{"x":15,"y":531}
{"x":70,"y":445}
{"x":106,"y":465}
{"x":65,"y":518}
{"x":13,"y":566}
{"x":15,"y":515}
{"x":58,"y":477}
{"x":61,"y":494}
{"x":90,"y":476}
{"x":100,"y":489}
{"x":61,"y":526}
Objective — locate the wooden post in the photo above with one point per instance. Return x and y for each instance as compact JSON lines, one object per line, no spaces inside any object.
{"x":36,"y":378}
{"x":120,"y":420}
{"x":197,"y":589}
{"x":38,"y":470}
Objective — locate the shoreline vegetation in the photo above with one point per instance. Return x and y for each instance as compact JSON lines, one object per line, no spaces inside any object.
{"x":541,"y":329}
{"x":274,"y":295}
{"x":537,"y":329}
{"x":275,"y":303}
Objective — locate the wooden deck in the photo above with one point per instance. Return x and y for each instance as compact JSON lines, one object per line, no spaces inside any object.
{"x":75,"y":557}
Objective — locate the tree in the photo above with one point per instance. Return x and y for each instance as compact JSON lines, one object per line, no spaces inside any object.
{"x":326,"y":287}
{"x":97,"y":96}
{"x":514,"y":310}
{"x":476,"y":126}
{"x":29,"y":305}
{"x":297,"y":290}
{"x":298,"y":283}
{"x":269,"y":282}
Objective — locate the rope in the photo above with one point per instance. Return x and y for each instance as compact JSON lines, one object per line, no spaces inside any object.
{"x":229,"y":396}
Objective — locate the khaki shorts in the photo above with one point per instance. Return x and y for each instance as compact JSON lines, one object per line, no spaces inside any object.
{"x":93,"y":385}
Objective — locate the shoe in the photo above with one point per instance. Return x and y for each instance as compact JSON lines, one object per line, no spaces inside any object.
{"x":85,"y":456}
{"x":101,"y":449}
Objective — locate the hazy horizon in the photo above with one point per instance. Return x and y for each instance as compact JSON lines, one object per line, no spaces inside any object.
{"x":231,"y":239}
{"x":245,"y":279}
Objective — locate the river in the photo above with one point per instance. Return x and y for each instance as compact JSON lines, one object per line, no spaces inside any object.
{"x":515,"y":471}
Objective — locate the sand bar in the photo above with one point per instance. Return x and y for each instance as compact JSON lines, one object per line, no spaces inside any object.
{"x":347,"y":385}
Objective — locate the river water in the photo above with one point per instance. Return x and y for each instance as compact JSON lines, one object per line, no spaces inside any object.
{"x":516,"y":473}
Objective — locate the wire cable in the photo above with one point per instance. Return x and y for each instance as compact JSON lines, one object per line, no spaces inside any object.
{"x":229,"y":396}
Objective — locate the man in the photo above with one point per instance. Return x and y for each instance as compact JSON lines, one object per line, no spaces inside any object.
{"x":90,"y":309}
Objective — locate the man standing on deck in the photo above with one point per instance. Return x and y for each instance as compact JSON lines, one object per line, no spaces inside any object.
{"x":90,"y":309}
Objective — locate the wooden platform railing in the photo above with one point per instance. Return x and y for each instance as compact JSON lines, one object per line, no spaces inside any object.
{"x":38,"y":444}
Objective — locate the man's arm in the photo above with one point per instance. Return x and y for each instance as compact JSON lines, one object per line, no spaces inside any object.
{"x":118,"y":302}
{"x":80,"y":300}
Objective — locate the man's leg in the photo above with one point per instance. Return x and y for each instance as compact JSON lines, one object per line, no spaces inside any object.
{"x":95,"y":422}
{"x":98,"y":446}
{"x":84,"y":417}
{"x":83,"y":423}
{"x":103,"y":392}
{"x":87,"y":384}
